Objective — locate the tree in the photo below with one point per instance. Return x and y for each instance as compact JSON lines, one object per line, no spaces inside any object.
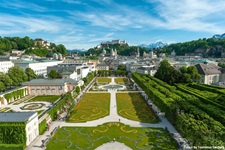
{"x":121,"y":67}
{"x":167,"y":73}
{"x":5,"y":79}
{"x":53,"y":74}
{"x":30,"y":74}
{"x":61,"y":49}
{"x":2,"y":86}
{"x":222,"y":65}
{"x":17,"y":75}
{"x":78,"y":89}
{"x":192,"y":70}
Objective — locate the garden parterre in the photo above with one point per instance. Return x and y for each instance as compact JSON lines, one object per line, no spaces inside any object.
{"x":103,"y":80}
{"x":133,"y":107}
{"x":45,"y":98}
{"x":91,"y":107}
{"x":121,"y":80}
{"x":90,"y":138}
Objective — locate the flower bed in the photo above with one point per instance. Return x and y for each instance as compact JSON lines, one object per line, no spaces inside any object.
{"x":133,"y":107}
{"x":46,"y":98}
{"x":32,"y":106}
{"x":90,"y":138}
{"x":121,"y":80}
{"x":91,"y":107}
{"x":103,"y":80}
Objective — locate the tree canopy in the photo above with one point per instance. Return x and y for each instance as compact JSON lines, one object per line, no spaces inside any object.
{"x":210,"y":47}
{"x":17,"y":75}
{"x":30,"y":74}
{"x":124,"y":50}
{"x":53,"y":74}
{"x":27,"y":44}
{"x":170,"y":75}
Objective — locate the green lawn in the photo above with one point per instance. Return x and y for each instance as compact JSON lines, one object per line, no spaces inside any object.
{"x":91,"y":107}
{"x":103,"y":80}
{"x":45,"y":98}
{"x":121,"y":80}
{"x":89,"y":138}
{"x":133,"y":107}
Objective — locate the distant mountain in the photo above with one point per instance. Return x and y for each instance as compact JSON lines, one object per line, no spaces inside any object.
{"x":218,"y":36}
{"x":154,"y":45}
{"x":76,"y":51}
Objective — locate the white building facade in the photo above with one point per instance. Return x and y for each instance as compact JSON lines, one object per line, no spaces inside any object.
{"x":5,"y":65}
{"x":30,"y":119}
{"x":39,"y":67}
{"x":32,"y":130}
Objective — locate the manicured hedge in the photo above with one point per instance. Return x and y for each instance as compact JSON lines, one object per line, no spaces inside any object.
{"x":14,"y":95}
{"x":42,"y":127}
{"x":12,"y":133}
{"x":12,"y":147}
{"x":202,"y":98}
{"x":67,"y":100}
{"x":185,"y":111}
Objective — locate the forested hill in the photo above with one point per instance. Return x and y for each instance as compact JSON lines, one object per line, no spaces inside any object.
{"x":123,"y":50}
{"x":208,"y":47}
{"x":7,"y":44}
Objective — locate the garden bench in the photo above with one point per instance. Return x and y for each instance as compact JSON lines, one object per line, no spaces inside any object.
{"x":44,"y":142}
{"x":54,"y":130}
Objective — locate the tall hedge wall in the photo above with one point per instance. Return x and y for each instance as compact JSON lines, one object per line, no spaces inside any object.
{"x":42,"y":127}
{"x":12,"y":133}
{"x":12,"y":147}
{"x":14,"y":95}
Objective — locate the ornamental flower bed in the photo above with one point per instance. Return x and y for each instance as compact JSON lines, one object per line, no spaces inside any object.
{"x":91,"y":107}
{"x":90,"y":138}
{"x":32,"y":106}
{"x":121,"y":80}
{"x":133,"y":107}
{"x":103,"y":80}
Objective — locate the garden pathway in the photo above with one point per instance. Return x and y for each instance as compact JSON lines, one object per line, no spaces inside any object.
{"x":113,"y":117}
{"x":113,"y":146}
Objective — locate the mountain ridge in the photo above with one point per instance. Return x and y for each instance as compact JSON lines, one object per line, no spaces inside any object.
{"x":219,"y":36}
{"x":150,"y":46}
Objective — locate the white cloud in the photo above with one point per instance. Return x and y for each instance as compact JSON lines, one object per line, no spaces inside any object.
{"x":16,"y":24}
{"x":192,"y":15}
{"x":17,"y":4}
{"x":109,"y":34}
{"x":73,"y":1}
{"x":68,"y":39}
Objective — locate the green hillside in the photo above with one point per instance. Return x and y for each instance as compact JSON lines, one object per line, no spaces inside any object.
{"x":208,"y":47}
{"x":7,"y":44}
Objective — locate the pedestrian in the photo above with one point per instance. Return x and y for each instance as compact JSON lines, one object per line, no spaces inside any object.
{"x":48,"y":127}
{"x":119,"y":120}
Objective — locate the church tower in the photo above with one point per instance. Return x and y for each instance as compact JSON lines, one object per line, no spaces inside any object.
{"x":138,"y":53}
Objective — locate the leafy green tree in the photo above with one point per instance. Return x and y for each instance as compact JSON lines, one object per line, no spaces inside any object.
{"x":53,"y":74}
{"x":5,"y":79}
{"x":189,"y":74}
{"x":222,"y":65}
{"x":167,"y":73}
{"x":17,"y":75}
{"x":30,"y":74}
{"x":61,"y":49}
{"x":121,"y":67}
{"x":2,"y":86}
{"x":42,"y":52}
{"x":183,"y":70}
{"x":78,"y":89}
{"x":192,"y":70}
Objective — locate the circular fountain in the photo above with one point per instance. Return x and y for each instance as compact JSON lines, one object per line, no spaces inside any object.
{"x":110,"y":86}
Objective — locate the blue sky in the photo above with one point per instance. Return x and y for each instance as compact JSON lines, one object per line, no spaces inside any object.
{"x":86,"y":23}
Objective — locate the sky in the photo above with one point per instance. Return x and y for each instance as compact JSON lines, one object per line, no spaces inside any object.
{"x":86,"y":23}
